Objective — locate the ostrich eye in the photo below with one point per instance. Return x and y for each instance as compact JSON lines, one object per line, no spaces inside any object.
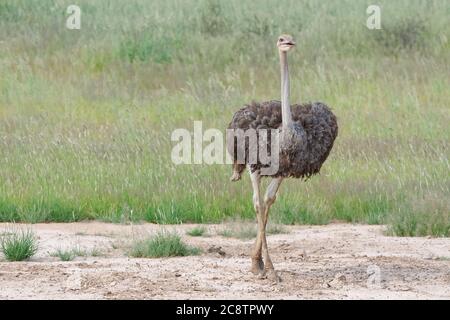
{"x":281,"y":39}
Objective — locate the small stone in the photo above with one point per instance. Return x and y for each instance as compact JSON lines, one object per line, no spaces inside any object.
{"x":218,"y":250}
{"x":338,"y":281}
{"x":303,"y":254}
{"x":341,"y":277}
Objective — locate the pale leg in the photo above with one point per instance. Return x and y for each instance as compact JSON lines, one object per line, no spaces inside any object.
{"x":269,"y":199}
{"x":257,"y":262}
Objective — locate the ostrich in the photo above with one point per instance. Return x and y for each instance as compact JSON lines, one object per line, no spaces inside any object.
{"x":306,"y":136}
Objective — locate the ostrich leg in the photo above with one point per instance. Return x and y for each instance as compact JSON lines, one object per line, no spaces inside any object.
{"x":257,"y":262}
{"x":269,"y":199}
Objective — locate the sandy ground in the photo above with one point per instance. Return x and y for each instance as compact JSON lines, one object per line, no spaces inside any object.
{"x":338,"y":261}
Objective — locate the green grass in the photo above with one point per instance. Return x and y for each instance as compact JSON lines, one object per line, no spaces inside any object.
{"x":243,"y":232}
{"x":276,"y":229}
{"x":246,"y":230}
{"x":421,"y":217}
{"x":18,"y":244}
{"x":70,"y":254}
{"x":97,"y":252}
{"x":78,"y":251}
{"x":444,"y":258}
{"x":86,"y":116}
{"x":163,"y":244}
{"x":64,"y":255}
{"x":197,"y":231}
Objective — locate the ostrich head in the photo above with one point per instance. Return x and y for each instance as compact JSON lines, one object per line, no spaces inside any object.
{"x":285,"y":42}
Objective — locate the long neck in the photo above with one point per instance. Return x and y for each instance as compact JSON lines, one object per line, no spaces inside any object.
{"x":286,"y":115}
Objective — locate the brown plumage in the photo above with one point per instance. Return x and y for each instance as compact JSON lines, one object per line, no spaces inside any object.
{"x":317,"y":121}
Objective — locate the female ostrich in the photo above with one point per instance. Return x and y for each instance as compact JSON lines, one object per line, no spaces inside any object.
{"x":306,"y":136}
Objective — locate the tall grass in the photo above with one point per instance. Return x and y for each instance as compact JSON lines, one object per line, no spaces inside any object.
{"x":86,"y":115}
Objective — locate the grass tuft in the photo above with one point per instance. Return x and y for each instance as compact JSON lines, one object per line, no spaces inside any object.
{"x":97,"y":252}
{"x":70,"y":254}
{"x":276,"y":229}
{"x":64,"y":255}
{"x":18,"y":244}
{"x":246,"y":230}
{"x":243,"y":231}
{"x":163,"y":244}
{"x":197,"y":231}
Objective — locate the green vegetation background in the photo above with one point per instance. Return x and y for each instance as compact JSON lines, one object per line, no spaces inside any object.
{"x":86,"y":115}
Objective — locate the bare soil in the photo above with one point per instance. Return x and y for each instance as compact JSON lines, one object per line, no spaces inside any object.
{"x":337,"y":261}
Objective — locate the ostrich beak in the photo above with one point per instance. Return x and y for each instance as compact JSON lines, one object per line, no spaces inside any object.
{"x":287,"y":45}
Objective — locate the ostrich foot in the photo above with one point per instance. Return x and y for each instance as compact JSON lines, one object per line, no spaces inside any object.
{"x":236,"y":176}
{"x":272,"y":275}
{"x":257,"y":266}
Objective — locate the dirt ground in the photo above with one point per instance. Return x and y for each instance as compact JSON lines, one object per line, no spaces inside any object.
{"x":337,"y":261}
